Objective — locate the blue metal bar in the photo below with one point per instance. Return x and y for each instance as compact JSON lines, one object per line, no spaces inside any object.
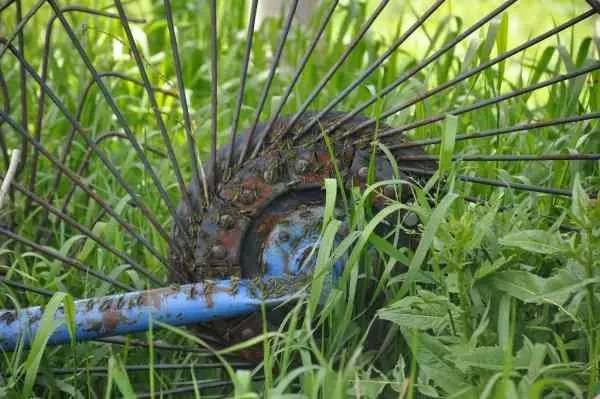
{"x":131,"y":312}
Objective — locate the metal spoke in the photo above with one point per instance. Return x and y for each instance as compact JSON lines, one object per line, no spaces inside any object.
{"x":120,"y":118}
{"x":296,"y":77}
{"x":467,"y":74}
{"x":214,"y":87}
{"x":490,"y":101}
{"x":23,"y":287}
{"x":500,"y":131}
{"x":88,"y":141}
{"x":85,"y":231}
{"x":397,"y":43}
{"x":243,"y":78}
{"x":77,"y":180}
{"x":153,"y":103}
{"x":64,"y":259}
{"x":187,"y":120}
{"x":37,"y":132}
{"x":145,"y":368}
{"x":263,"y":98}
{"x":335,"y":67}
{"x":495,"y":183}
{"x":205,"y":384}
{"x":509,"y":158}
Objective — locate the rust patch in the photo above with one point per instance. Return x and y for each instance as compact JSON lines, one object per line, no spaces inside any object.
{"x":110,"y":320}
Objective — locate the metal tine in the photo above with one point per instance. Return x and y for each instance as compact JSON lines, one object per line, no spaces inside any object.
{"x":146,"y":367}
{"x":63,"y":258}
{"x":77,"y":180}
{"x":198,"y":175}
{"x":87,"y":232}
{"x":399,"y":41}
{"x":41,"y":103}
{"x":6,"y":108}
{"x":22,"y":20}
{"x":125,"y":126}
{"x":240,"y":97}
{"x":491,"y":101}
{"x":465,"y":75}
{"x":6,"y":4}
{"x":153,"y":103}
{"x":335,"y":67}
{"x":22,"y":87}
{"x":69,"y":141}
{"x":89,"y":141}
{"x":263,"y":98}
{"x":119,"y":340}
{"x":493,"y":182}
{"x":500,"y":131}
{"x":23,"y":287}
{"x":506,"y":157}
{"x":214,"y":87}
{"x":85,"y":162}
{"x":296,"y":77}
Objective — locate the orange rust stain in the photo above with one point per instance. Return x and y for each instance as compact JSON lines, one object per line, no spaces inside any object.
{"x":110,"y":320}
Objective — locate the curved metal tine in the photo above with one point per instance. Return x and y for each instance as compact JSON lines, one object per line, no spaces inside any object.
{"x":263,"y":97}
{"x":147,"y":213}
{"x":240,"y":97}
{"x":494,"y":100}
{"x":352,"y":86}
{"x":41,"y":98}
{"x":122,"y":121}
{"x":505,"y":157}
{"x":23,"y":287}
{"x":214,"y":87}
{"x":296,"y":77}
{"x":145,"y":367}
{"x":69,"y":141}
{"x":335,"y":67}
{"x":87,"y":232}
{"x":525,"y":127}
{"x":493,"y":182}
{"x":153,"y":103}
{"x":467,"y":74}
{"x":77,"y":180}
{"x":21,"y":22}
{"x":63,"y":258}
{"x":6,"y":108}
{"x":422,"y":65}
{"x":197,"y":168}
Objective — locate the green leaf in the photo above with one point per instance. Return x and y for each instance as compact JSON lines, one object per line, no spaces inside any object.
{"x":448,"y":141}
{"x":423,"y":312}
{"x":116,"y":373}
{"x":538,"y":241}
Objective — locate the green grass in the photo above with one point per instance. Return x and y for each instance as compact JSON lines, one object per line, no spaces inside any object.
{"x":495,"y":302}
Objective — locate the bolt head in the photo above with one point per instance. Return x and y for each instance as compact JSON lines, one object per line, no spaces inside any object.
{"x":283,"y":236}
{"x":226,"y":221}
{"x":247,"y":197}
{"x":302,"y":166}
{"x":363,"y":172}
{"x":411,"y":220}
{"x":218,"y":252}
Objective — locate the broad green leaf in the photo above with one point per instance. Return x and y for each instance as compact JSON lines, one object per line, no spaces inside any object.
{"x":538,"y":241}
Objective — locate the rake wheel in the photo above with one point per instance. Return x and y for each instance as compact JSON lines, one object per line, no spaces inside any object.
{"x":97,"y":171}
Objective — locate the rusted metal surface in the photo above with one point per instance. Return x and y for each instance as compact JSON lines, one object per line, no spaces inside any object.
{"x":132,"y":312}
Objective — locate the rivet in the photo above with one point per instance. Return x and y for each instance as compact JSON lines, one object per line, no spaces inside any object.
{"x":411,"y":220}
{"x":218,"y":252}
{"x":301,"y":166}
{"x":226,"y":221}
{"x":283,"y":235}
{"x":247,"y":197}
{"x":363,"y":172}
